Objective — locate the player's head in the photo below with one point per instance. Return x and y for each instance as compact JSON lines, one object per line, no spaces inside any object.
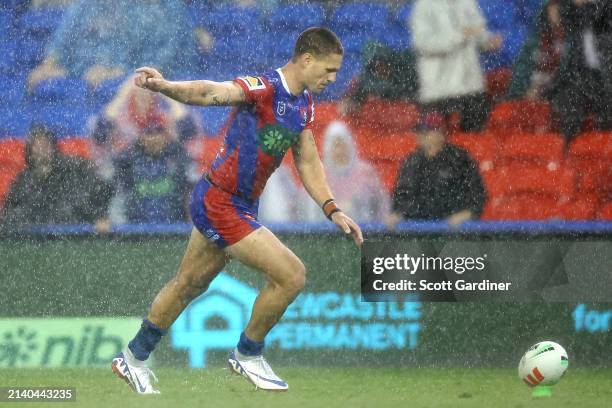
{"x":318,"y":52}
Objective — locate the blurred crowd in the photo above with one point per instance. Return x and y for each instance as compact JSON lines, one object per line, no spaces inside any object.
{"x":145,"y":151}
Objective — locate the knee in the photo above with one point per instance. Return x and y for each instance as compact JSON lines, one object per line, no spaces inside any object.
{"x":189,"y":288}
{"x":295,"y":283}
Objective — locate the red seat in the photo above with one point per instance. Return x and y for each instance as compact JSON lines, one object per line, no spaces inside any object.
{"x":518,"y":178}
{"x":580,"y":208}
{"x":522,"y":207}
{"x":520,"y":115}
{"x":605,"y":212}
{"x":592,"y":175}
{"x":540,"y":148}
{"x":392,"y":146}
{"x":481,"y":146}
{"x":75,"y":146}
{"x":6,"y":180}
{"x":592,"y":145}
{"x":12,"y":155}
{"x":386,"y":116}
{"x":388,"y":171}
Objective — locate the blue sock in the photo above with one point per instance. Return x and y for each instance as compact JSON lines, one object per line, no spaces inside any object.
{"x":248,"y":347}
{"x":146,"y":339}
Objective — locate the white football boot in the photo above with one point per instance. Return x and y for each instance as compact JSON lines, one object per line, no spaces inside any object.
{"x":134,"y":372}
{"x":257,"y":370}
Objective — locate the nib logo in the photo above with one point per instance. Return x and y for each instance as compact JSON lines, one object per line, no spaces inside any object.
{"x":16,"y":347}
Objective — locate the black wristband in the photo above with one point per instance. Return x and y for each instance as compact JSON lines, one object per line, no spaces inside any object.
{"x":335,"y":210}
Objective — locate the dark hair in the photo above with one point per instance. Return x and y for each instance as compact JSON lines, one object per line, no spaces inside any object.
{"x":38,"y":130}
{"x":318,"y":41}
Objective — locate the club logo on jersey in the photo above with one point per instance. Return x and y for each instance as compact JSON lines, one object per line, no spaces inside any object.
{"x":275,"y":140}
{"x":281,"y":108}
{"x":253,"y":83}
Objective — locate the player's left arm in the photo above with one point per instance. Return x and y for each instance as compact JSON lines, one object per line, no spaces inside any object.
{"x":311,"y":172}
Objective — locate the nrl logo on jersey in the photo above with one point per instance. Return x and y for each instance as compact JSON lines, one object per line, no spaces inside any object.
{"x":281,"y":108}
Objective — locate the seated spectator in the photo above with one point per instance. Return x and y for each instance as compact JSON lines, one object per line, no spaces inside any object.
{"x":439,"y":181}
{"x":55,"y":189}
{"x":282,"y":199}
{"x":355,"y":183}
{"x":152,"y":176}
{"x":447,"y":37}
{"x":101,"y":40}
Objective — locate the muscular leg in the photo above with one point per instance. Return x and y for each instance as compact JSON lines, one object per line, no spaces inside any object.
{"x":201,"y":263}
{"x":286,"y":275}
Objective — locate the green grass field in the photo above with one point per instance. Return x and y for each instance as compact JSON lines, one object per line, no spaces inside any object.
{"x":323,"y":387}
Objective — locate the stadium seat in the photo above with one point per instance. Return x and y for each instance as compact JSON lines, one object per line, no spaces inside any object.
{"x":499,"y":14}
{"x":61,"y":89}
{"x":227,"y":21}
{"x":391,"y":146}
{"x":12,"y":156}
{"x":592,"y":175}
{"x":518,"y":178}
{"x":579,"y":208}
{"x":12,"y":90}
{"x":481,"y":146}
{"x":397,"y":37}
{"x":596,"y":145}
{"x":297,"y":17}
{"x":517,"y":207}
{"x":64,"y":120}
{"x":105,"y":92}
{"x":387,"y":116}
{"x":15,"y":122}
{"x":75,"y":146}
{"x":605,"y":212}
{"x":519,"y":115}
{"x":539,"y":148}
{"x":40,"y":22}
{"x":359,"y":14}
{"x":403,"y":14}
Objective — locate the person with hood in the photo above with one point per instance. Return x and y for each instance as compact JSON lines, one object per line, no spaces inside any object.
{"x":354,"y":181}
{"x":55,"y":189}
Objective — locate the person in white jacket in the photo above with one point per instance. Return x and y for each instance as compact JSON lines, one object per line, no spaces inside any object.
{"x":448,"y":36}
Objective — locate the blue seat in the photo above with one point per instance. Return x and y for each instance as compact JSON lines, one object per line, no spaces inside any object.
{"x":297,"y":17}
{"x":230,"y":20}
{"x":12,"y":90}
{"x":9,"y":63}
{"x":397,"y":37}
{"x":403,"y":14}
{"x":6,"y":22}
{"x":15,"y":122}
{"x":64,"y":120}
{"x":41,"y":21}
{"x":360,"y":15}
{"x":353,"y":39}
{"x":62,"y":89}
{"x":29,"y":52}
{"x":105,"y":92}
{"x":528,"y":10}
{"x":499,"y":14}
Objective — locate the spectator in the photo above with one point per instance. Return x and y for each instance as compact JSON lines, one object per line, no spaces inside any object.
{"x":386,"y":74}
{"x":355,"y":183}
{"x":55,"y":189}
{"x":535,"y":68}
{"x":438,"y":181}
{"x":152,"y":176}
{"x":581,"y":86}
{"x":447,"y":36}
{"x":99,"y":40}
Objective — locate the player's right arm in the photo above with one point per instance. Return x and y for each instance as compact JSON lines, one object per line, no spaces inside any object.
{"x":203,"y":92}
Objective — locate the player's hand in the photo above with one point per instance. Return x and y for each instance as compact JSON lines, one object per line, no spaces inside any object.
{"x":149,"y":78}
{"x":348,"y":226}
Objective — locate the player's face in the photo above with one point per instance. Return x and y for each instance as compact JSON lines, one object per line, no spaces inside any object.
{"x":321,"y":72}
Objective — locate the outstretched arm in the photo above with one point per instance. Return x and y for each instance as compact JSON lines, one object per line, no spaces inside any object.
{"x":205,"y":93}
{"x":311,"y":172}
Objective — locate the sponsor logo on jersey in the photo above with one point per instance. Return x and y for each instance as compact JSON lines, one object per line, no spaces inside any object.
{"x":253,"y":83}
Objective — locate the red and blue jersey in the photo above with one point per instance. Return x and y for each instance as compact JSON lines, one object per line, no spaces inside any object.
{"x":260,"y":133}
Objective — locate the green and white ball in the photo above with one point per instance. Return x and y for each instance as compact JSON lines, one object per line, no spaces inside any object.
{"x":543,"y":364}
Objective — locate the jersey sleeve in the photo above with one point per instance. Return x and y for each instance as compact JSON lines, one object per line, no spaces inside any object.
{"x":255,"y":88}
{"x":311,"y":113}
